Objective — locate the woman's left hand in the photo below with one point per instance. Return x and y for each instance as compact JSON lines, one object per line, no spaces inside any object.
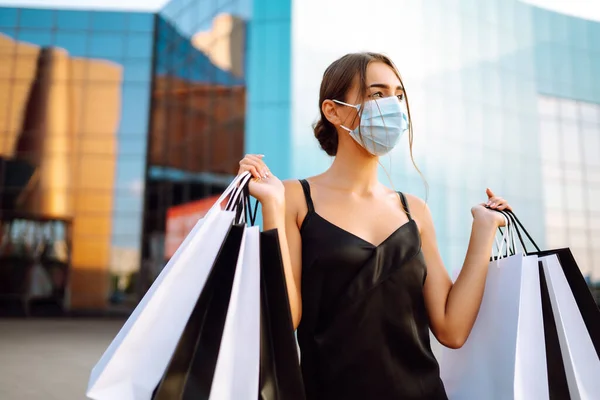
{"x":496,"y":202}
{"x":487,"y":209}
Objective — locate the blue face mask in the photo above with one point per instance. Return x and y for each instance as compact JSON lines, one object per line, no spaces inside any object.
{"x":382,"y":123}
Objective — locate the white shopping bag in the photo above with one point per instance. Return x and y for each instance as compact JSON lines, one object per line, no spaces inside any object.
{"x":504,"y":356}
{"x":238,"y":365}
{"x":133,"y":364}
{"x":582,"y":366}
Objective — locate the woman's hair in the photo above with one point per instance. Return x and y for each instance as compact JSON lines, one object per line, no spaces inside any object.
{"x":337,"y":81}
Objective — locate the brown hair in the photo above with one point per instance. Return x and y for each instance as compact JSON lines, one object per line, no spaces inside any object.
{"x":337,"y":81}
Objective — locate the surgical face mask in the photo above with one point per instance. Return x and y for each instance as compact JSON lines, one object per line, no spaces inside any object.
{"x":382,"y":123}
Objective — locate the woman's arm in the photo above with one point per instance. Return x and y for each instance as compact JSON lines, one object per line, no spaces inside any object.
{"x":283,"y":217}
{"x":280,"y":202}
{"x":453,"y":308}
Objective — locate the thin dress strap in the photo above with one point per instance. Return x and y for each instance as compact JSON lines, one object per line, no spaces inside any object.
{"x":405,"y":205}
{"x":306,"y":189}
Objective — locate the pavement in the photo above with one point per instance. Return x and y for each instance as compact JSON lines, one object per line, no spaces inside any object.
{"x":46,"y":359}
{"x":51,"y":359}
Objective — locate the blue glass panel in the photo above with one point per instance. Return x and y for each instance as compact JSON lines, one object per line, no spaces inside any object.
{"x":41,"y":38}
{"x":76,"y":43}
{"x":541,"y":25}
{"x":139,"y":45}
{"x":562,"y":62}
{"x":139,"y":22}
{"x":135,"y":107}
{"x":274,"y":66}
{"x":577,"y":33}
{"x":581,"y":63}
{"x":558,"y":22}
{"x":73,"y":20}
{"x":594,"y":35}
{"x":544,"y":60}
{"x":107,"y":45}
{"x":595,"y":70}
{"x":9,"y":17}
{"x":277,"y":10}
{"x":109,"y":21}
{"x":171,"y":10}
{"x":264,"y":134}
{"x":34,"y":18}
{"x":137,"y":70}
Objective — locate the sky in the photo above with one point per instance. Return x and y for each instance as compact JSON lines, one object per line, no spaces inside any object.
{"x":589,"y":9}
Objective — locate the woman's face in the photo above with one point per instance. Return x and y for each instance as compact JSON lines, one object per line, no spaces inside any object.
{"x":381,"y":81}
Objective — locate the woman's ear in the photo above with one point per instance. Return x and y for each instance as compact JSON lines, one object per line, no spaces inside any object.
{"x":331,"y":112}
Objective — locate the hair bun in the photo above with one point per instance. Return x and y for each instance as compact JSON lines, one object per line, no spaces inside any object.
{"x":327,"y":136}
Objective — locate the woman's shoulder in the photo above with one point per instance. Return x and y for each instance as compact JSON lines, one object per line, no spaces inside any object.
{"x":414,"y":199}
{"x":416,"y":205}
{"x":293,"y":185}
{"x":295,"y":198}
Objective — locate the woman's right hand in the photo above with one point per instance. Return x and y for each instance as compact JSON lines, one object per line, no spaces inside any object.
{"x":265,"y":186}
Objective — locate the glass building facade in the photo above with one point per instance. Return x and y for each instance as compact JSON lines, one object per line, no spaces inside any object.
{"x":75,"y":98}
{"x":108,"y":120}
{"x":117,"y":129}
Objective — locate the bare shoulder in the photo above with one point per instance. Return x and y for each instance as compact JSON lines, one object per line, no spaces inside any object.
{"x":416,"y":204}
{"x":419,"y":210}
{"x":293,"y":190}
{"x":294,"y":197}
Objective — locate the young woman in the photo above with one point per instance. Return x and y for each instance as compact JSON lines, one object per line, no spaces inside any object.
{"x":364,"y":275}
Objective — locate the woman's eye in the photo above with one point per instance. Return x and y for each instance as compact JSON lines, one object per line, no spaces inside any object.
{"x":400,"y":96}
{"x":377,"y":94}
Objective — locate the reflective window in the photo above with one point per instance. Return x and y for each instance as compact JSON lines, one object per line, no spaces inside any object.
{"x":548,"y":106}
{"x":570,"y":143}
{"x":568,"y":109}
{"x":67,"y":20}
{"x":199,"y":111}
{"x":571,"y":177}
{"x":549,"y":141}
{"x":590,"y":112}
{"x":36,"y":19}
{"x":76,"y":99}
{"x":9,"y":17}
{"x":102,"y":21}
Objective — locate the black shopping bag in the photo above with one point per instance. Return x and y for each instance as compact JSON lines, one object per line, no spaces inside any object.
{"x":190,"y":372}
{"x":585,"y":303}
{"x":558,"y":388}
{"x":280,"y":374}
{"x":583,"y":296}
{"x":579,"y":288}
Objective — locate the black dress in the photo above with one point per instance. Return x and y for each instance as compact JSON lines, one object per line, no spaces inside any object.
{"x":364,"y":332}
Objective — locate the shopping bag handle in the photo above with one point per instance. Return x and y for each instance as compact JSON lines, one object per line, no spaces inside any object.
{"x":240,"y":202}
{"x":236,"y":189}
{"x":518,"y":224}
{"x":251,"y":214}
{"x":500,"y":244}
{"x":233,"y":190}
{"x":508,"y":238}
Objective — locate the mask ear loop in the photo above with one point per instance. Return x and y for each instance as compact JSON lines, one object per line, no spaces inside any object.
{"x":355,"y":106}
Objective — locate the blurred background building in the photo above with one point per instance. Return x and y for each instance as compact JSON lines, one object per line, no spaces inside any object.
{"x":117,"y":129}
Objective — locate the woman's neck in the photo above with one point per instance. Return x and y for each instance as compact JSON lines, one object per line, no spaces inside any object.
{"x":354,"y":170}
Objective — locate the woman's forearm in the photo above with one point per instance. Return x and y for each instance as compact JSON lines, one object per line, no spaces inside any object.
{"x":274,"y":218}
{"x":465,"y":295}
